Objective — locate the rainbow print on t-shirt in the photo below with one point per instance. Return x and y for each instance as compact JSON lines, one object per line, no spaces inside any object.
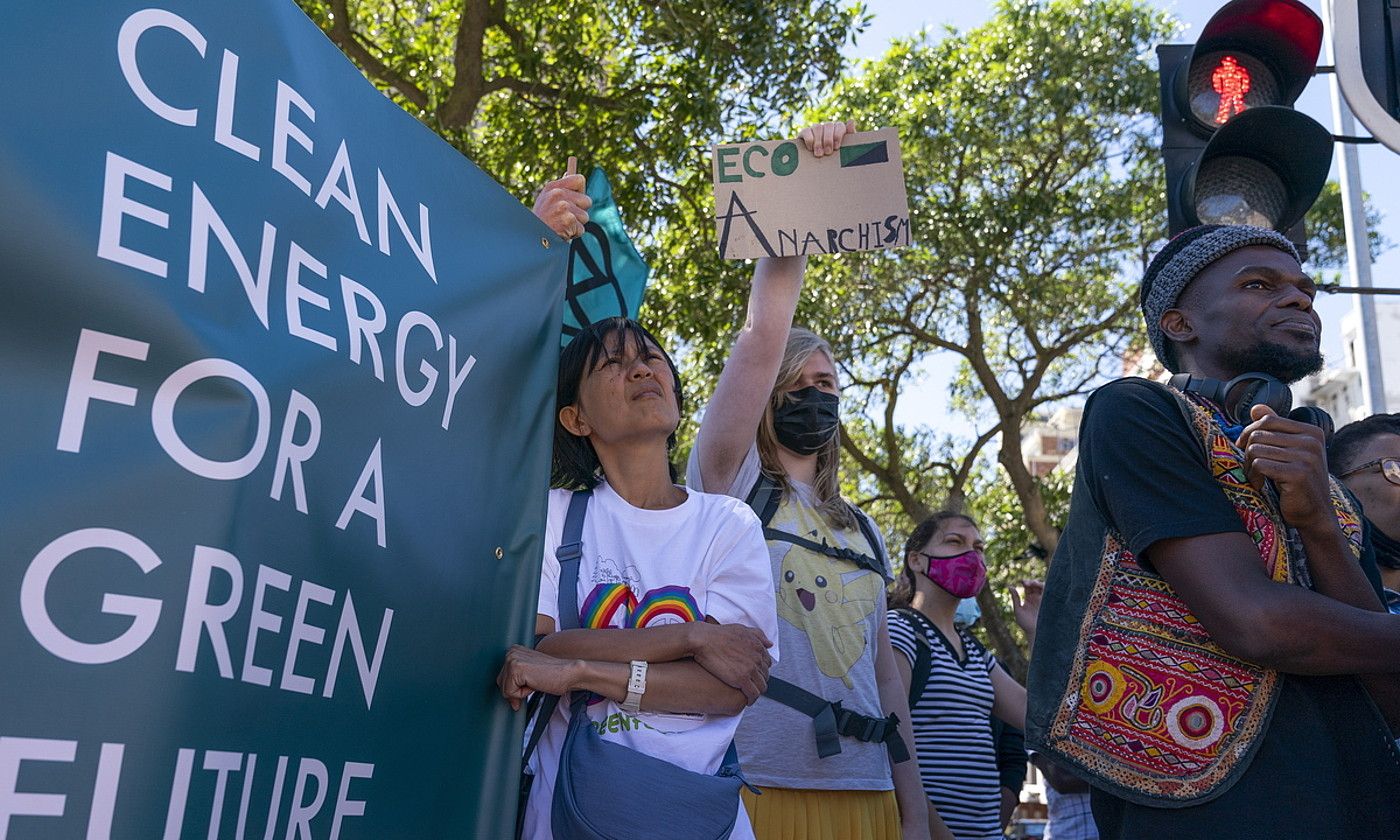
{"x":673,"y":601}
{"x":603,"y":603}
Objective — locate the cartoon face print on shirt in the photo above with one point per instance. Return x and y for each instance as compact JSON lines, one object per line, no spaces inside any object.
{"x":828,"y":600}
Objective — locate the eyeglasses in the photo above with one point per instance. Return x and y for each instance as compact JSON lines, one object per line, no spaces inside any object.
{"x":1389,"y":467}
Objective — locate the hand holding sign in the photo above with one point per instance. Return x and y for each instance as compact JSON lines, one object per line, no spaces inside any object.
{"x":563,"y":205}
{"x":825,"y":138}
{"x":834,"y":191}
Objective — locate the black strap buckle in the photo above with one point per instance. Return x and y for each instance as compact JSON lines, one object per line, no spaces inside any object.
{"x":865,"y":728}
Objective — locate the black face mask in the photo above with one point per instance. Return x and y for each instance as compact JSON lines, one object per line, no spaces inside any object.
{"x":806,"y":420}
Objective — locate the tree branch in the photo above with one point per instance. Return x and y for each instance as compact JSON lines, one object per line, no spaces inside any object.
{"x":349,"y":42}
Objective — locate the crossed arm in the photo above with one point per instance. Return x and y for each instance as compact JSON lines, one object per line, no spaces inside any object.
{"x":697,"y":667}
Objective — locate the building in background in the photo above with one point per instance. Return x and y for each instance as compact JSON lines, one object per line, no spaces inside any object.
{"x":1046,"y":444}
{"x":1338,"y":389}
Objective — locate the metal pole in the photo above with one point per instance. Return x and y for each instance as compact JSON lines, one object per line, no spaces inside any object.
{"x":1358,"y":238}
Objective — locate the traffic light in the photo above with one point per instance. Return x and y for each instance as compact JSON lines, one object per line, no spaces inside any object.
{"x":1367,"y":47}
{"x":1235,"y":150}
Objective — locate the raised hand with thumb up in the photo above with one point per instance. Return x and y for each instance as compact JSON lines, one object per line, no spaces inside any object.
{"x":562,"y":204}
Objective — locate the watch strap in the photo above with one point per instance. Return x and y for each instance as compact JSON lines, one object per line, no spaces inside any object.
{"x":636,"y":687}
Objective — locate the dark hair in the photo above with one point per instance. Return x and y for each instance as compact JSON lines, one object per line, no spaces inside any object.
{"x":903,"y":593}
{"x":576,"y":465}
{"x":1351,"y":438}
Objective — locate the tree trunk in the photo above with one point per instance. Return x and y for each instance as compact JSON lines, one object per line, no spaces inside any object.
{"x":1003,"y":639}
{"x":1032,"y":503}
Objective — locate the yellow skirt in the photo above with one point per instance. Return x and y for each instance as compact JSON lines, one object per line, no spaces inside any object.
{"x":791,"y":814}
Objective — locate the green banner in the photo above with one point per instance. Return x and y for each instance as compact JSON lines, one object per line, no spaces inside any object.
{"x":607,"y":275}
{"x":277,"y":372}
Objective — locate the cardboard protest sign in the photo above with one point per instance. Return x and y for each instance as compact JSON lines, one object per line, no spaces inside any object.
{"x":607,"y":275}
{"x":278,"y":371}
{"x":774,"y":198}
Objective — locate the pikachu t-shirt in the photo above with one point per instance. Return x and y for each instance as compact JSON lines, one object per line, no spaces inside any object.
{"x":829,"y":617}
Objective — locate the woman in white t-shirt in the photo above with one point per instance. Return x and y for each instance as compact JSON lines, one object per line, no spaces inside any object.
{"x":669,"y":577}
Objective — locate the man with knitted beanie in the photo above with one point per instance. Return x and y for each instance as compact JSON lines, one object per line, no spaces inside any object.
{"x":1213,"y":656}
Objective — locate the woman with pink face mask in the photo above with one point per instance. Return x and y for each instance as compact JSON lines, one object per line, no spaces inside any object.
{"x":955,"y":685}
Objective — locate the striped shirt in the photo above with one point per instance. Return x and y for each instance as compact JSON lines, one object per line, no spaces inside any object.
{"x":952,"y":729}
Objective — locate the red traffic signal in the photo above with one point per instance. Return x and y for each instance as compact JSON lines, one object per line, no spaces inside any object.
{"x":1235,"y":150}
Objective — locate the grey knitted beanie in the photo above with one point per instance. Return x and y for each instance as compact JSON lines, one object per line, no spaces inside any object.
{"x":1177,"y":264}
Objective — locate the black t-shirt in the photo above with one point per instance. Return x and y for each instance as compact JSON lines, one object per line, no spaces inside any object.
{"x":1326,"y":765}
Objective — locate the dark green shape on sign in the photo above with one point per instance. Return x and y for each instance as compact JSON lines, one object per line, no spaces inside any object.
{"x":607,"y":275}
{"x":864,"y":154}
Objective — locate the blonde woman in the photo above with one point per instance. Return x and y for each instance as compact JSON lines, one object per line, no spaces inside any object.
{"x":829,"y":743}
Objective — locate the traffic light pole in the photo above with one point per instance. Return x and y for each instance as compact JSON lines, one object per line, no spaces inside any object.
{"x":1358,"y":237}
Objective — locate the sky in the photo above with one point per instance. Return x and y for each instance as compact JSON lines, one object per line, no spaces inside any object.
{"x":927,"y":401}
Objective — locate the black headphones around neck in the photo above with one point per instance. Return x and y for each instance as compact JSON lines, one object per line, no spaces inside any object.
{"x":1236,"y":397}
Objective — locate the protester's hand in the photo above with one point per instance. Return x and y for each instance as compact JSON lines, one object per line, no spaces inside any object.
{"x":563,"y":205}
{"x":1025,"y":605}
{"x":825,"y":138}
{"x":1293,"y":456}
{"x":736,"y":655}
{"x":529,"y":670}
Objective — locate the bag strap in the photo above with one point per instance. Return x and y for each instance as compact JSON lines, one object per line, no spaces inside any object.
{"x":821,"y":711}
{"x":763,"y":499}
{"x":923,"y":657}
{"x":568,"y":553}
{"x":830,"y":721}
{"x":867,"y":527}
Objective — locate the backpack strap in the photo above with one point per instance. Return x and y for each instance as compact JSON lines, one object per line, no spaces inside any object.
{"x":867,"y":527}
{"x":764,"y":499}
{"x":568,"y":553}
{"x":923,"y":656}
{"x":830,"y":720}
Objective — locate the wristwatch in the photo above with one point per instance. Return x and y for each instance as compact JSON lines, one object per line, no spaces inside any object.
{"x":636,"y":687}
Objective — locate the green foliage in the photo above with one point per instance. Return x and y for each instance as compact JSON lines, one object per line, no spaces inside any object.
{"x":1035,"y":191}
{"x":638,"y":87}
{"x":1035,"y":188}
{"x":1013,"y":554}
{"x":1327,"y":238}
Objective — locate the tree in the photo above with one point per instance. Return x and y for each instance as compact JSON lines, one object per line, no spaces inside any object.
{"x":1327,"y":239}
{"x":1036,"y":196}
{"x":639,"y":88}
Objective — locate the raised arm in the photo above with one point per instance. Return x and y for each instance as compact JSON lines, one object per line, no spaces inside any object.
{"x":734,"y":412}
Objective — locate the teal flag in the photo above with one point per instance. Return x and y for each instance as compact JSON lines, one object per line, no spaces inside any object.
{"x":607,"y":275}
{"x":277,"y":368}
